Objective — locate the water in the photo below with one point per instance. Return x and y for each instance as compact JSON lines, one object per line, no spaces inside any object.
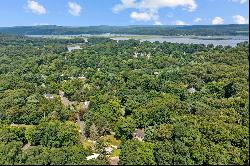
{"x":227,"y":40}
{"x":215,"y":40}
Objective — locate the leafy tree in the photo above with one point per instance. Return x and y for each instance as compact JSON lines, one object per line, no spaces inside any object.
{"x":137,"y":153}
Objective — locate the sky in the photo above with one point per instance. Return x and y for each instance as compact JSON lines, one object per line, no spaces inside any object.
{"x":122,"y":12}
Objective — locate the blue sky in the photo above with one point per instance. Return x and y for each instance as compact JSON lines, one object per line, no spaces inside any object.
{"x":122,"y":12}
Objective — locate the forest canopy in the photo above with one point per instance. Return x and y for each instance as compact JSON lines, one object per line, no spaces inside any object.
{"x":139,"y":102}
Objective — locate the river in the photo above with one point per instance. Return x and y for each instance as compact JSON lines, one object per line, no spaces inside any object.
{"x":215,"y":40}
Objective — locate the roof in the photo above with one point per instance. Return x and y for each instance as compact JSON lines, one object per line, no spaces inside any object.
{"x":108,"y":149}
{"x":48,"y":95}
{"x":139,"y":133}
{"x":114,"y":160}
{"x":94,"y":156}
{"x":191,"y":90}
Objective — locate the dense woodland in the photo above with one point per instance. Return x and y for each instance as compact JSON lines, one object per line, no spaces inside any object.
{"x":200,"y":30}
{"x":191,"y":101}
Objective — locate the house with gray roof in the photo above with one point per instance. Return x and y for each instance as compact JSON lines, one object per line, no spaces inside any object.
{"x":139,"y":134}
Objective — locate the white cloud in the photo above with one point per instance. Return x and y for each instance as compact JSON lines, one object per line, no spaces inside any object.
{"x":217,"y":20}
{"x":148,"y":9}
{"x":35,"y":7}
{"x":158,"y":23}
{"x":154,"y":4}
{"x":240,"y":1}
{"x":240,"y":19}
{"x":74,"y":8}
{"x":179,"y":22}
{"x":144,"y":16}
{"x":124,"y":5}
{"x":141,"y":16}
{"x":197,"y":19}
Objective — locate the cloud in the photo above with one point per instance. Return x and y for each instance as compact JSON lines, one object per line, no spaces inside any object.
{"x":217,"y":20}
{"x":74,"y":8}
{"x":144,"y":16}
{"x":154,"y":4}
{"x":147,"y":10}
{"x":140,"y":16}
{"x":158,"y":23}
{"x":240,"y":1}
{"x":240,"y":19}
{"x":197,"y":19}
{"x":125,"y":4}
{"x":179,"y":22}
{"x":35,"y":7}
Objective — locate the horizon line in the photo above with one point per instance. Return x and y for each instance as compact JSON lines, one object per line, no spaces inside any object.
{"x":114,"y":25}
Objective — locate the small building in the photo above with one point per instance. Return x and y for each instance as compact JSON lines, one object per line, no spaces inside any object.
{"x":71,"y":48}
{"x":135,"y":54}
{"x":139,"y":134}
{"x":94,"y":142}
{"x":114,"y":160}
{"x":123,"y":111}
{"x":86,"y":104}
{"x":94,"y":156}
{"x":191,"y":90}
{"x":26,"y":146}
{"x":49,"y":96}
{"x":156,"y":73}
{"x":108,"y":150}
{"x":82,"y":78}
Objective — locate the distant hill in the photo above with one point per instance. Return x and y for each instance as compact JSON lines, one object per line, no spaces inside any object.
{"x":202,"y":30}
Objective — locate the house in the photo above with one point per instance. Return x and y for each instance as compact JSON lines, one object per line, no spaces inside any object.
{"x":94,"y":142}
{"x":19,"y":125}
{"x":108,"y":150}
{"x":114,"y":160}
{"x":49,"y":96}
{"x":156,"y":73}
{"x":26,"y":146}
{"x":123,"y":111}
{"x":135,"y":54}
{"x":191,"y":90}
{"x":82,"y":78}
{"x":139,"y":134}
{"x":65,"y":100}
{"x":71,"y":48}
{"x":86,"y":104}
{"x":94,"y":156}
{"x":71,"y":78}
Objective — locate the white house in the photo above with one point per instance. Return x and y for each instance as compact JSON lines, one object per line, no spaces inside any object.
{"x":94,"y":156}
{"x":49,"y":96}
{"x":191,"y":90}
{"x":108,"y":150}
